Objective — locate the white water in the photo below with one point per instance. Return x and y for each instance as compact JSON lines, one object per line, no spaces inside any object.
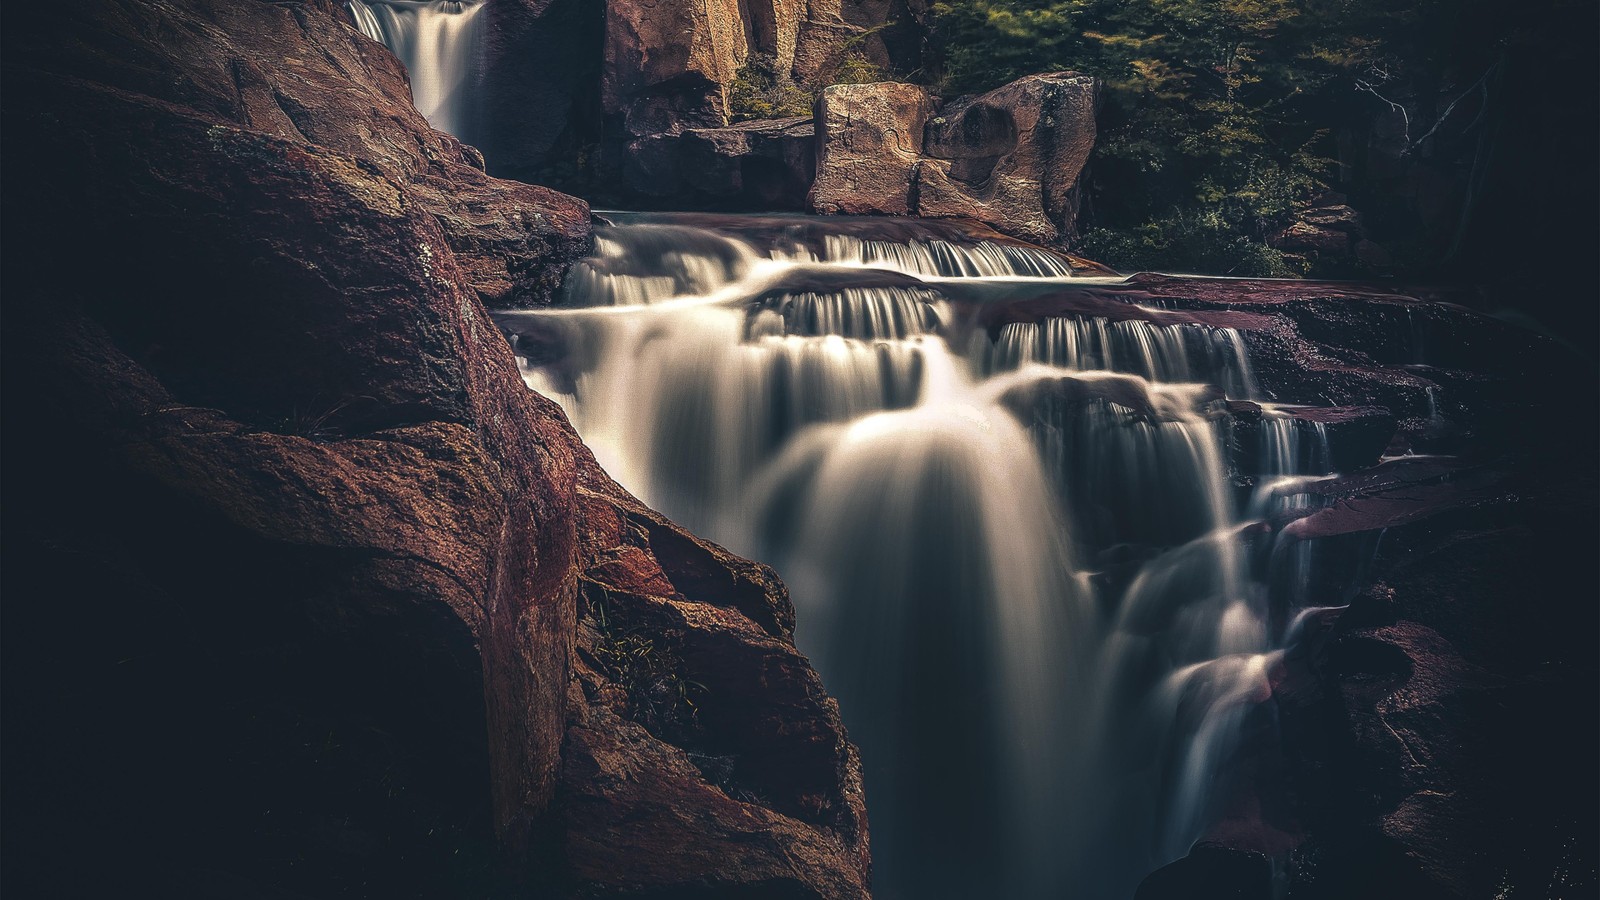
{"x":1029,"y":579}
{"x":438,"y":40}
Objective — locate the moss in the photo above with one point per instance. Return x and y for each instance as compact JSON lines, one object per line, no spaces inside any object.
{"x":756,"y":93}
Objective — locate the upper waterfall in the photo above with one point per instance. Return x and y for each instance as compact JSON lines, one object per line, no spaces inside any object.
{"x":439,"y":41}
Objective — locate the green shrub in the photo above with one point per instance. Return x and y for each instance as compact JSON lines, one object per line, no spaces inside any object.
{"x":1183,"y":243}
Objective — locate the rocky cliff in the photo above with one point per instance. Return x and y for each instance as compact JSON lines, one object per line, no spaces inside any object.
{"x":305,"y":593}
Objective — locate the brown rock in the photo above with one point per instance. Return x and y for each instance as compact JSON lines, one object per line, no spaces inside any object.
{"x":307,"y":551}
{"x":883,"y":33}
{"x":869,"y":147}
{"x":1338,"y":217}
{"x":742,"y":778}
{"x":1011,"y":158}
{"x":1305,"y":236}
{"x":668,"y":64}
{"x":775,"y":30}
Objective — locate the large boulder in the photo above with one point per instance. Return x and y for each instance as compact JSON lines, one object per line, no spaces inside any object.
{"x":1010,"y":158}
{"x":869,"y":148}
{"x":300,"y":596}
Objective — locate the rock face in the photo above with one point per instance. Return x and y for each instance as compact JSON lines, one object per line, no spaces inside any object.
{"x":542,"y":83}
{"x":306,"y":594}
{"x":667,"y":65}
{"x":869,"y":148}
{"x":665,"y":95}
{"x":1010,"y":158}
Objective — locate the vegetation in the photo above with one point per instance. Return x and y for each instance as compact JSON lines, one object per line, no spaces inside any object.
{"x":757,"y":93}
{"x":1222,"y":117}
{"x":648,"y":672}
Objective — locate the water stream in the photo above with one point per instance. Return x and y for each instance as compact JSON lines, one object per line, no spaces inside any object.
{"x":439,"y":42}
{"x":1023,"y":553}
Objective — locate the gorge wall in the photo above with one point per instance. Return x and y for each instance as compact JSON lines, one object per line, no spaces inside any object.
{"x":710,"y":106}
{"x":306,"y":592}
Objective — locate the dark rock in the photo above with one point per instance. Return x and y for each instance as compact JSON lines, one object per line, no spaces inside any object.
{"x":541,"y":82}
{"x":310,"y":550}
{"x":1211,"y":872}
{"x":764,"y":164}
{"x":782,"y":812}
{"x":1373,"y":256}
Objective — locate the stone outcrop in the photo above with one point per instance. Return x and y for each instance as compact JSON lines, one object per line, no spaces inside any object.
{"x":869,"y":148}
{"x":1331,"y":236}
{"x":306,"y":593}
{"x":672,"y":135}
{"x":667,"y":65}
{"x":1010,"y":158}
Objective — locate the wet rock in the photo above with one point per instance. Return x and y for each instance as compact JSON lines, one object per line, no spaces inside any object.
{"x":708,"y":757}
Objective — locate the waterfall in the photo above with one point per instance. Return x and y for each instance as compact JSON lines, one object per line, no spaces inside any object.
{"x":438,"y":40}
{"x":1025,"y":568}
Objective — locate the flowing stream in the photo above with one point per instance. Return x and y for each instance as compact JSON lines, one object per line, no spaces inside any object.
{"x":1022,"y":551}
{"x":439,"y":41}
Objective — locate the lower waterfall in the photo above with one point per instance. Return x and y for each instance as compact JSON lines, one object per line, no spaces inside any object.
{"x":1027,"y":558}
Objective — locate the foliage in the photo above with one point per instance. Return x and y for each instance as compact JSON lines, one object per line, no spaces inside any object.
{"x":1218,"y":115}
{"x":1198,"y":243}
{"x":757,"y":94}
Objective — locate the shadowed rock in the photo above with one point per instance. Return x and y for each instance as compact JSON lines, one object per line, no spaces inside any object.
{"x":327,"y":565}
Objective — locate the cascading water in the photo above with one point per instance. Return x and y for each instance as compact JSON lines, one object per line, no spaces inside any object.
{"x":1024,"y":568}
{"x":438,"y":40}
